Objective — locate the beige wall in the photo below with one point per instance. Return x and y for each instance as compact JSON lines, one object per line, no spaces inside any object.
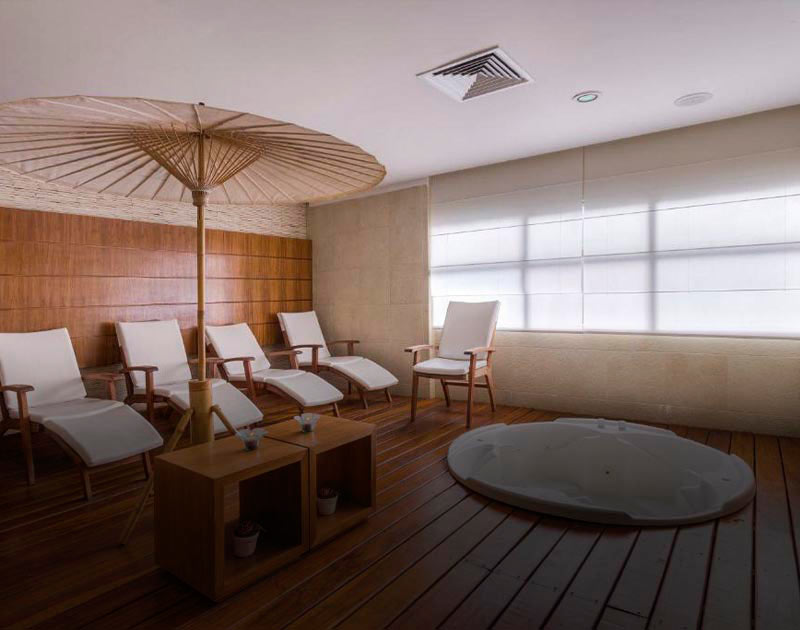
{"x":370,"y":273}
{"x":721,"y":382}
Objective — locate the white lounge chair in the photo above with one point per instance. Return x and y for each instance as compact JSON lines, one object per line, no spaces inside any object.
{"x":465,"y":353}
{"x":41,"y":384}
{"x":157,"y":369}
{"x":243,"y":361}
{"x":301,"y":331}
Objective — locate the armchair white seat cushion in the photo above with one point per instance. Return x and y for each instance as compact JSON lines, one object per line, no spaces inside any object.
{"x":446,"y":367}
{"x":237,"y":340}
{"x":99,"y":431}
{"x":366,"y":373}
{"x":160,"y":344}
{"x":304,"y":328}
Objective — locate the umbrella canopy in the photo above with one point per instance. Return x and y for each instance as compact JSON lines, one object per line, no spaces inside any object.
{"x":165,"y":151}
{"x":150,"y":149}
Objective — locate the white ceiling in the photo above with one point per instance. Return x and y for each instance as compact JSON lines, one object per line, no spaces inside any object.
{"x":348,"y":67}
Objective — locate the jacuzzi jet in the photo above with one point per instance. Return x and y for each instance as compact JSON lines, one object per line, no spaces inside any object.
{"x":586,"y":470}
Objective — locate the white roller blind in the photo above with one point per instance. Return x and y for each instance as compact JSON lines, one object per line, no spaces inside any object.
{"x":706,"y":248}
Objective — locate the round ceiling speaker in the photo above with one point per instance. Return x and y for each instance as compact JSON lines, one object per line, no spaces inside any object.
{"x":696,"y":98}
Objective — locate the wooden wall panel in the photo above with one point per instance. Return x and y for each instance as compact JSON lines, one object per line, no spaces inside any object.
{"x":85,"y":273}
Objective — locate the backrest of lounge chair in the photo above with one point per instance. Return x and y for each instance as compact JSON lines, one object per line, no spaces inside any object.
{"x":237,"y":340}
{"x":303,"y":328}
{"x":467,"y":325}
{"x":157,"y":343}
{"x":46,"y":361}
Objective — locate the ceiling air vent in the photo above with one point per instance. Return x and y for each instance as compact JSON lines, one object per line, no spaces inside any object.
{"x":477,"y":74}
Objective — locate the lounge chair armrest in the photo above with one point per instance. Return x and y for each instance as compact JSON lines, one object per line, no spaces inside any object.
{"x":234,"y":359}
{"x":350,"y":344}
{"x":209,"y":361}
{"x":147,"y":369}
{"x":282,"y":353}
{"x":106,"y":377}
{"x":480,"y":350}
{"x":22,"y":398}
{"x":16,"y":389}
{"x":314,"y":354}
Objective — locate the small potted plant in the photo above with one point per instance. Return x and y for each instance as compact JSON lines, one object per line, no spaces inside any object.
{"x":326,"y":501}
{"x":245,"y":538}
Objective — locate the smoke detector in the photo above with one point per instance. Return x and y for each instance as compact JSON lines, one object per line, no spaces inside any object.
{"x":477,"y":74}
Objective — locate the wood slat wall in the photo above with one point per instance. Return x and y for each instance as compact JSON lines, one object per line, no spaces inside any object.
{"x":85,"y":273}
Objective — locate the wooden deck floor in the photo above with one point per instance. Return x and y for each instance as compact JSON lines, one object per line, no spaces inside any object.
{"x":434,"y":555}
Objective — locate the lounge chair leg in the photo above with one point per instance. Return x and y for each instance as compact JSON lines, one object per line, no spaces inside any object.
{"x":349,"y":388}
{"x":470,"y":391}
{"x":388,"y":395}
{"x":27,"y":449}
{"x":446,"y":391}
{"x":151,"y":408}
{"x":414,"y":389}
{"x":336,"y":410}
{"x":148,"y":470}
{"x":87,"y":483}
{"x":363,"y":395}
{"x":490,"y":388}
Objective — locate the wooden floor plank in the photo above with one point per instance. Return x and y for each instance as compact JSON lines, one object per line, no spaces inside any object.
{"x":545,"y":587}
{"x":486,"y":602}
{"x":777,"y":590}
{"x":728,"y":604}
{"x":586,"y":596}
{"x":436,"y":604}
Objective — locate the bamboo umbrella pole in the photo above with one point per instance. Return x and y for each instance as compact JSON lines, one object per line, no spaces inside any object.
{"x":200,"y":395}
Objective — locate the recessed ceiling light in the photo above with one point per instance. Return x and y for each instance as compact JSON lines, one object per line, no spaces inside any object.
{"x":696,"y":98}
{"x":586,"y":97}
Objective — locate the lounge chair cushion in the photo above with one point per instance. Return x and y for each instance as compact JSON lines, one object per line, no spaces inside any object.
{"x":237,"y":407}
{"x":366,"y":373}
{"x":446,"y":367}
{"x":157,"y":343}
{"x":467,"y":325}
{"x":46,"y":361}
{"x":303,"y":328}
{"x":307,"y":389}
{"x":237,"y":340}
{"x":99,"y":431}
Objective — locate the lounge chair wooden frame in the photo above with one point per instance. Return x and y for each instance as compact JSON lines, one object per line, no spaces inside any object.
{"x":467,"y":380}
{"x":251,"y":388}
{"x":26,"y":427}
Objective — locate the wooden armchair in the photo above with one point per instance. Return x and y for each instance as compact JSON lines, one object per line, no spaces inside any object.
{"x":464,"y":353}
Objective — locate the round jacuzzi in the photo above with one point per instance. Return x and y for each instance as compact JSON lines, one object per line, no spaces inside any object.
{"x":602,"y":471}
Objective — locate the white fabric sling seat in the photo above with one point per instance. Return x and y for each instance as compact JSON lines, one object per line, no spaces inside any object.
{"x":41,"y":383}
{"x":302,"y":332}
{"x":244,"y":361}
{"x":157,"y":370}
{"x":464,"y":353}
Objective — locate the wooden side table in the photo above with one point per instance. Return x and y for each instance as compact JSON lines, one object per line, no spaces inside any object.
{"x":341,"y":455}
{"x":202,"y":491}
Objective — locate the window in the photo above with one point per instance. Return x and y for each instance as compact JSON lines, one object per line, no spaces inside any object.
{"x":708,"y":248}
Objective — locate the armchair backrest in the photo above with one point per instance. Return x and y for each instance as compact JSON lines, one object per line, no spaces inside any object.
{"x":157,"y":343}
{"x":303,"y":328}
{"x":46,"y":361}
{"x":236,"y":340}
{"x":467,"y":325}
